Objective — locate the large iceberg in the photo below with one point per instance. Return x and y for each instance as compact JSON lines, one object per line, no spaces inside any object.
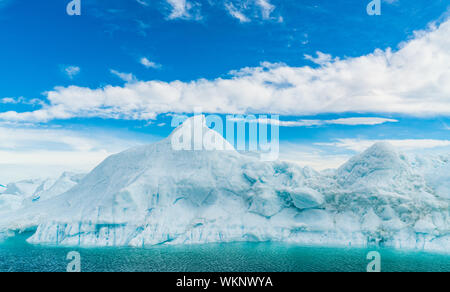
{"x":154,"y":195}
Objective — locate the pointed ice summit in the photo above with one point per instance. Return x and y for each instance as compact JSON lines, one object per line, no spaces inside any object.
{"x":189,"y":189}
{"x":375,"y":165}
{"x":194,"y":134}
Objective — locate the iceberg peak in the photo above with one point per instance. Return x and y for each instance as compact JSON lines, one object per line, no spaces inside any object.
{"x":198,"y":121}
{"x":194,"y":134}
{"x":381,"y":147}
{"x":379,"y":163}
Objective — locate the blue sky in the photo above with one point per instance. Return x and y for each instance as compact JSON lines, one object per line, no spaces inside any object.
{"x":75,"y":89}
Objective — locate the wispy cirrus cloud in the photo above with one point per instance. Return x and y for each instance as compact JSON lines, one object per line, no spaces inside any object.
{"x":358,"y":121}
{"x":127,"y":77}
{"x":20,"y":100}
{"x":266,"y":8}
{"x":143,"y":3}
{"x":12,"y":100}
{"x":190,"y":10}
{"x":245,"y":10}
{"x":149,"y":64}
{"x":321,"y":59}
{"x":236,"y":13}
{"x":72,"y":71}
{"x":184,"y":9}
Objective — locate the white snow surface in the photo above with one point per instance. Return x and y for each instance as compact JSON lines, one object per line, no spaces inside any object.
{"x":154,"y":195}
{"x":19,"y":195}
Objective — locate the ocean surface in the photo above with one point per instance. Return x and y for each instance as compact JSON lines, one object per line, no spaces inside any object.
{"x":18,"y":256}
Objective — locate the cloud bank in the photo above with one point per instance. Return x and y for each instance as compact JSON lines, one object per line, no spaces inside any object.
{"x":414,"y":80}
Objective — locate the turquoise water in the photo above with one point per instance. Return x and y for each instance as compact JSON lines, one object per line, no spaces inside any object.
{"x":17,"y":255}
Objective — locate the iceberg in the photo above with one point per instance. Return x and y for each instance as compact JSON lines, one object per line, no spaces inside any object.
{"x":18,"y":195}
{"x":14,"y":195}
{"x":154,"y":194}
{"x":26,"y":188}
{"x":64,"y":183}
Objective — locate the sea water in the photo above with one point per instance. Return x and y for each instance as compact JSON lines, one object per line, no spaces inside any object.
{"x":18,"y":256}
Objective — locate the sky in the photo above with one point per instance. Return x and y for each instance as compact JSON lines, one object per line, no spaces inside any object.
{"x":75,"y":89}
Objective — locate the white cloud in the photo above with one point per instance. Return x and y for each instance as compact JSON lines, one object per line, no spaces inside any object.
{"x":321,"y":59}
{"x":233,"y":11}
{"x":20,"y":100}
{"x":183,"y":9}
{"x":359,"y":145}
{"x":11,"y":100}
{"x":72,"y":71}
{"x":41,"y":152}
{"x":371,"y":121}
{"x":128,"y":77}
{"x":179,"y":8}
{"x":245,"y":10}
{"x":149,"y":64}
{"x":143,"y":3}
{"x":360,"y":121}
{"x":415,"y":80}
{"x":266,"y":8}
